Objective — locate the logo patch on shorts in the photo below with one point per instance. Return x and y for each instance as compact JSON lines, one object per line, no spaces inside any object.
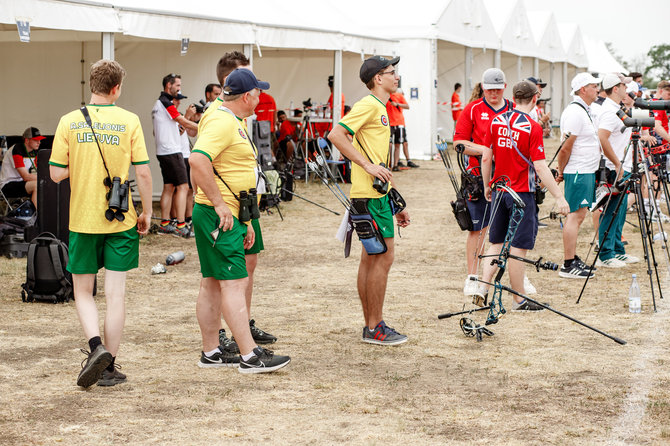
{"x":385,"y":120}
{"x":242,"y":134}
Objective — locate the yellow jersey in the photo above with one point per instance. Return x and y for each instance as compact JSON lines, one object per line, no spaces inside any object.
{"x":122,"y":142}
{"x":223,"y":138}
{"x":368,"y":123}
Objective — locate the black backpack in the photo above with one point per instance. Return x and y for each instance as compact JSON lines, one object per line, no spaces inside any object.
{"x":46,"y":276}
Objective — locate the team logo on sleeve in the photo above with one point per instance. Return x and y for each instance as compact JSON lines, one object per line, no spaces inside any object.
{"x":385,"y":120}
{"x":242,"y":134}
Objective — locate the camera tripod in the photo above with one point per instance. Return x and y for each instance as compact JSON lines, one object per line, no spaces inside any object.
{"x":634,"y":184}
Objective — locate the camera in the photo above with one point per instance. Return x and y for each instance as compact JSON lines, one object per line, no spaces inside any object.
{"x":248,"y":206}
{"x":117,"y":198}
{"x":379,"y":185}
{"x":200,"y":107}
{"x":307,"y":104}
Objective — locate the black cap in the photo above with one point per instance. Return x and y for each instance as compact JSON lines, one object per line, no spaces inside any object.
{"x":33,"y":133}
{"x":537,"y":82}
{"x":180,"y":96}
{"x":374,"y":65}
{"x":242,"y":80}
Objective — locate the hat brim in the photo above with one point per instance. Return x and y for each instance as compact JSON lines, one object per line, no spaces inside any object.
{"x":493,"y":86}
{"x":263,"y":85}
{"x":39,"y":138}
{"x":542,"y":84}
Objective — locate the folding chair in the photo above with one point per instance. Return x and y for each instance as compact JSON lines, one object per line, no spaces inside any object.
{"x":330,"y":164}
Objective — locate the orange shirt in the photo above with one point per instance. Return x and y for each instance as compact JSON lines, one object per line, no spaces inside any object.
{"x":396,"y":117}
{"x":456,"y":106}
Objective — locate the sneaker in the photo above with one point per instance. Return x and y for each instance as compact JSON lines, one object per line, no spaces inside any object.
{"x":166,"y":229}
{"x":184,"y":232}
{"x":259,"y":335}
{"x":541,"y":225}
{"x":412,"y":164}
{"x":109,"y":379}
{"x":584,"y":265}
{"x":527,"y":305}
{"x":219,"y":359}
{"x":263,"y":361}
{"x":611,"y":263}
{"x":627,"y":258}
{"x":226,"y":344}
{"x":395,"y":169}
{"x":96,"y":362}
{"x":383,"y":335}
{"x":471,"y":287}
{"x":528,"y":287}
{"x":575,"y":271}
{"x":400,"y":164}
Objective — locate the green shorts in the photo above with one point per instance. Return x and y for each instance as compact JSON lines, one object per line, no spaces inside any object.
{"x":580,"y":190}
{"x":380,"y":209}
{"x":222,"y":259}
{"x":119,"y":251}
{"x":258,"y":240}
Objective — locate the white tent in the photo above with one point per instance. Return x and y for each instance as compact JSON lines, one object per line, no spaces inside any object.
{"x":600,"y":59}
{"x":573,"y":44}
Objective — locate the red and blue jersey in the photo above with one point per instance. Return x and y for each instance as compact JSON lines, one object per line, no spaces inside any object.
{"x":473,"y":124}
{"x":506,"y":130}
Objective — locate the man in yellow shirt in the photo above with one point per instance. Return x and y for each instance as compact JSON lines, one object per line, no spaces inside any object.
{"x":368,"y":124}
{"x":97,"y":241}
{"x":223,"y":170}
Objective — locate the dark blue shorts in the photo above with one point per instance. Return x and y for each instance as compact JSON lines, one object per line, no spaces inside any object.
{"x":480,"y":213}
{"x":527,"y":229}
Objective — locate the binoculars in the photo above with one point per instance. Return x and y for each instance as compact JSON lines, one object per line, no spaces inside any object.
{"x":379,"y":185}
{"x":118,"y":199}
{"x":248,"y":206}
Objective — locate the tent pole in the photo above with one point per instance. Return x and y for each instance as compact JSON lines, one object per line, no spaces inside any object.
{"x":107,"y":46}
{"x":467,"y":83}
{"x":336,"y":112}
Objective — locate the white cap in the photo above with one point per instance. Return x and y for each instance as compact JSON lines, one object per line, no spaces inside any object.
{"x":613,"y":79}
{"x":493,"y":79}
{"x":582,"y":80}
{"x":632,"y":87}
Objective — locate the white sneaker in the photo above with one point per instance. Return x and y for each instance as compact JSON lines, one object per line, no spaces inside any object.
{"x":471,"y":286}
{"x":528,"y":287}
{"x":611,"y":263}
{"x":627,"y":258}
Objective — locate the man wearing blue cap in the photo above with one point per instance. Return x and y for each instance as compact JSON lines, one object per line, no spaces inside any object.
{"x":223,"y":170}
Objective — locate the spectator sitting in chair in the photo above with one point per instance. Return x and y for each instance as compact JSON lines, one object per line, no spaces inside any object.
{"x":18,"y":177}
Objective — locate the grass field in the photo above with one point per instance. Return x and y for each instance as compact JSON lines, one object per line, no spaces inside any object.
{"x":540,"y":380}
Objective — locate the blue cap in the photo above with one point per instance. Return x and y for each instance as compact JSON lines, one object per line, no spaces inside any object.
{"x":242,"y":80}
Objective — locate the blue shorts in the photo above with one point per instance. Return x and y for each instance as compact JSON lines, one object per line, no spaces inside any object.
{"x":579,"y":190}
{"x":524,"y":238}
{"x":480,"y":213}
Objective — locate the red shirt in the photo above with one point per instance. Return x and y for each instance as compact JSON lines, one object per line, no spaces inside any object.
{"x":661,"y":115}
{"x":266,"y":109}
{"x":474,"y":122}
{"x":396,"y":117}
{"x":456,"y":106}
{"x":527,"y":135}
{"x":286,"y":129}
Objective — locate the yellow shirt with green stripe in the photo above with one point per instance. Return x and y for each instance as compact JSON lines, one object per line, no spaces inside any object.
{"x":122,"y":143}
{"x":368,"y":123}
{"x":222,"y":137}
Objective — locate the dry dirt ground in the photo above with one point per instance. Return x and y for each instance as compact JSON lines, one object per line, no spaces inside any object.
{"x":540,"y":380}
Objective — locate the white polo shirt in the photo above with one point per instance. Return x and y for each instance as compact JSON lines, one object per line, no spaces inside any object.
{"x":166,"y":131}
{"x":585,"y":155}
{"x":608,"y":120}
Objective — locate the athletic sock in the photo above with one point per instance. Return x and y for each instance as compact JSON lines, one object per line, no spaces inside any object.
{"x":248,"y":356}
{"x":110,"y":367}
{"x":188,"y":220}
{"x":181,"y":224}
{"x":568,"y":263}
{"x":94,"y":342}
{"x":165,"y":222}
{"x":211,"y":352}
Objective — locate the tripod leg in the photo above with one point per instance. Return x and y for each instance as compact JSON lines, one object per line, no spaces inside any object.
{"x":644,"y":234}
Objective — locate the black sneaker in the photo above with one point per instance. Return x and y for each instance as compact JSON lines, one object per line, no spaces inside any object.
{"x":575,"y":271}
{"x":112,"y":378}
{"x":527,"y":305}
{"x":219,"y":359}
{"x":412,"y":164}
{"x":263,"y":361}
{"x":584,"y":265}
{"x":395,"y":169}
{"x":259,"y":335}
{"x":400,"y":164}
{"x":226,"y":344}
{"x":96,"y":362}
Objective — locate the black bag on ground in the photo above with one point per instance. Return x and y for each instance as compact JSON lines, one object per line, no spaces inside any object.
{"x":46,"y":276}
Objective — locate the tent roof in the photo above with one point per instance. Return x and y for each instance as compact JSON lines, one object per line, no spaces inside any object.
{"x":510,"y":20}
{"x":573,"y":44}
{"x":548,"y":38}
{"x":600,"y":59}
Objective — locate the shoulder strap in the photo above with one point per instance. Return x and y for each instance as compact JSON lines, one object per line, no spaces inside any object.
{"x":388,"y":157}
{"x":583,"y":108}
{"x":87,"y":117}
{"x":509,"y":131}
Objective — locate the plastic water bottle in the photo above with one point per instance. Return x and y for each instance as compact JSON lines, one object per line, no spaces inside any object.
{"x":178,"y":257}
{"x":634,"y":302}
